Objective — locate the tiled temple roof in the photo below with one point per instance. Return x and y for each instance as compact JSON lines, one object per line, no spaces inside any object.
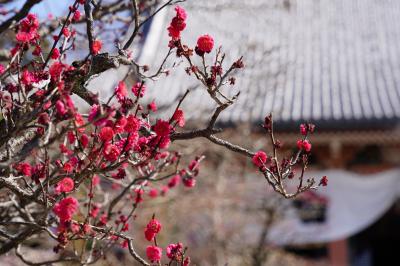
{"x":333,"y":62}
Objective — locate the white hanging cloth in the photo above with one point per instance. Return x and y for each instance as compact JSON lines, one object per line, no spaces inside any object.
{"x":353,"y":201}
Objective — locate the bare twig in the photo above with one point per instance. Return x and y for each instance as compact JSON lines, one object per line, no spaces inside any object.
{"x":139,"y":25}
{"x":48,"y":262}
{"x":89,"y":24}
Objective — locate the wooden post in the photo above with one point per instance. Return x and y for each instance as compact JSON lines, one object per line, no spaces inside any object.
{"x":338,"y":250}
{"x":338,"y":253}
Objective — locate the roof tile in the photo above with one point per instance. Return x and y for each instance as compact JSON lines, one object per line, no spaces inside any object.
{"x":327,"y":60}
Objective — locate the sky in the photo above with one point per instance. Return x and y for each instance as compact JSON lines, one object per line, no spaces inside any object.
{"x":56,"y":7}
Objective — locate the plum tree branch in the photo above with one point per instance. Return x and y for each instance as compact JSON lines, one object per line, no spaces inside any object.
{"x":89,"y":24}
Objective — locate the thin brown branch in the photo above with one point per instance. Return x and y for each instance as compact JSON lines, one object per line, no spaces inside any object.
{"x":9,"y":245}
{"x":139,"y":25}
{"x":194,"y":134}
{"x":136,"y":26}
{"x":59,"y":34}
{"x":179,"y":104}
{"x":89,"y":24}
{"x":132,"y":251}
{"x":230,"y":146}
{"x":49,"y":262}
{"x":12,"y":185}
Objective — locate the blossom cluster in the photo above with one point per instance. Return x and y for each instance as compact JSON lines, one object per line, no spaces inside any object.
{"x":270,"y":166}
{"x":178,"y":23}
{"x":175,"y":252}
